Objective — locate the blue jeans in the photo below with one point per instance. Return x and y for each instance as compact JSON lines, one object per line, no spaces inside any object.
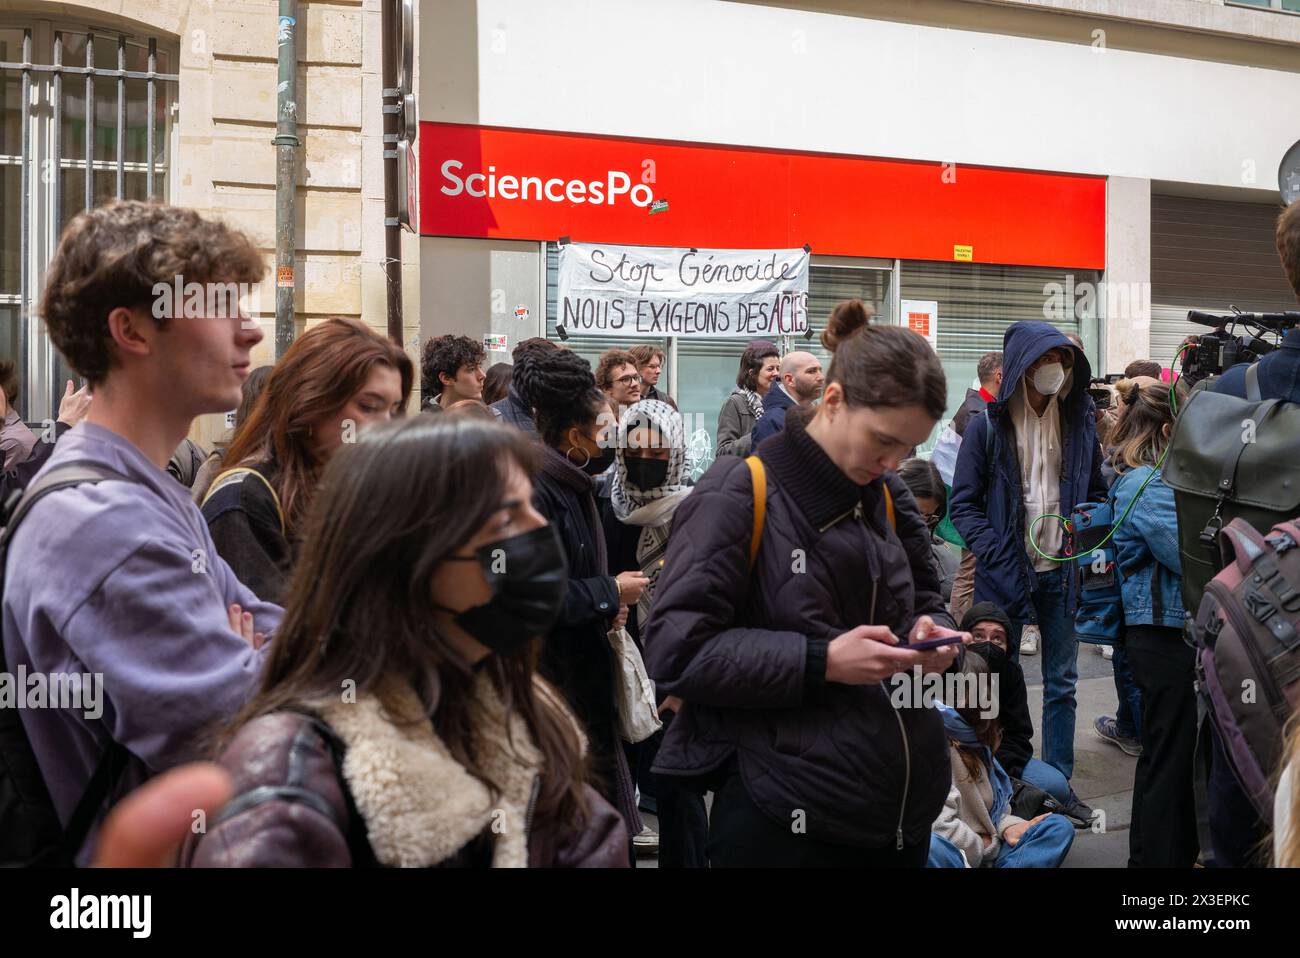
{"x":943,"y":853}
{"x":1043,"y":845}
{"x":1060,"y":654}
{"x":1041,"y":775}
{"x":1128,"y":716}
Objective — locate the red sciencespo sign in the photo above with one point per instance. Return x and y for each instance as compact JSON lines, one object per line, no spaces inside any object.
{"x":521,"y":184}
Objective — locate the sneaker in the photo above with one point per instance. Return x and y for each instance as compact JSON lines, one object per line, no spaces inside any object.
{"x":1107,"y":651}
{"x":1029,"y":643}
{"x":1080,"y":814}
{"x":1108,"y":731}
{"x":647,"y":843}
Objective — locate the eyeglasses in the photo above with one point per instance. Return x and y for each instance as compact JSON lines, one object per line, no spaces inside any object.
{"x":628,"y":380}
{"x":932,"y":522}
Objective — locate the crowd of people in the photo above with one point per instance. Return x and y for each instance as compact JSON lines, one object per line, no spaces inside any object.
{"x":497,"y":631}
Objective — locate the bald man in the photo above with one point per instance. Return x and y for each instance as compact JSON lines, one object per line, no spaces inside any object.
{"x":800,"y":384}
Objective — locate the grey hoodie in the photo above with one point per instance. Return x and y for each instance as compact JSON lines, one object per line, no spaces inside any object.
{"x":122,"y":579}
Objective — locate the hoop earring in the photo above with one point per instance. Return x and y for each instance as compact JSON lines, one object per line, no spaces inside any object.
{"x":580,"y":465}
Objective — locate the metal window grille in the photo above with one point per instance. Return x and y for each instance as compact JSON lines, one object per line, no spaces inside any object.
{"x":46,"y":168}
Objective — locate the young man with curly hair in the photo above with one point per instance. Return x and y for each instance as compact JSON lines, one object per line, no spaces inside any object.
{"x":451,"y":371}
{"x":118,"y":580}
{"x":617,"y":376}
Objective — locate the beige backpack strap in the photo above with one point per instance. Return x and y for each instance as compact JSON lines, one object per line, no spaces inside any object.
{"x":237,"y":474}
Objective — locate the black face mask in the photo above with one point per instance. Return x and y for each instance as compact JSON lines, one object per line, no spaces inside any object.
{"x":646,"y":474}
{"x":994,"y":655}
{"x":598,"y":464}
{"x":528,"y":577}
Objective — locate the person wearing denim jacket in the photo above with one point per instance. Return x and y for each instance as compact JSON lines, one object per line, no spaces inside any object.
{"x":1146,"y":545}
{"x":1163,"y":832}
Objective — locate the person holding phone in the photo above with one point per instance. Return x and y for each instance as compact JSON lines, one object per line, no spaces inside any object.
{"x":779,"y":615}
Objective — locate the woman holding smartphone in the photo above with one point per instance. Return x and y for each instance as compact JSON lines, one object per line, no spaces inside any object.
{"x":789,"y":584}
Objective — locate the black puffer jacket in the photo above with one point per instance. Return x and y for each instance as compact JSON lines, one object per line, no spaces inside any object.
{"x":576,"y":655}
{"x":748,"y":655}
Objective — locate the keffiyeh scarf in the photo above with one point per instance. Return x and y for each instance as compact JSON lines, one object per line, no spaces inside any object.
{"x":665,"y":420}
{"x":753,"y":399}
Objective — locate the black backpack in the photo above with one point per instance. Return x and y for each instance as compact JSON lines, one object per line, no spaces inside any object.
{"x":30,"y":832}
{"x":1217,"y":476}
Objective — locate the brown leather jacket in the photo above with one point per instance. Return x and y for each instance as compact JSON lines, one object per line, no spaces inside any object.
{"x":360,"y":789}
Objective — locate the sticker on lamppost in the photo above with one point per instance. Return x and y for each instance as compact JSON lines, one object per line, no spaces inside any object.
{"x":495,"y":342}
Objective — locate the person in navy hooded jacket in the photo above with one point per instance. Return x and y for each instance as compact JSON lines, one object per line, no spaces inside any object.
{"x":1042,"y":458}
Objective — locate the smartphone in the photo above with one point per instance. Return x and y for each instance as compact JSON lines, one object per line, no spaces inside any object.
{"x":939,"y":637}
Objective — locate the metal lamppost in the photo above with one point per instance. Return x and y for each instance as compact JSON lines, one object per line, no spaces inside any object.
{"x":401,"y":126}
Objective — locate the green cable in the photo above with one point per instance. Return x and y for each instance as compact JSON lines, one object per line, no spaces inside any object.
{"x":1173,"y":410}
{"x":1173,"y":380}
{"x":1155,"y":470}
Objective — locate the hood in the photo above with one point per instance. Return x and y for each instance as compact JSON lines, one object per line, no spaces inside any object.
{"x":668,"y":421}
{"x":986,"y":612}
{"x":1023,"y":343}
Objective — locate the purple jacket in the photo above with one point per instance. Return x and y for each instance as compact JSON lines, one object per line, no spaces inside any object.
{"x":122,"y":579}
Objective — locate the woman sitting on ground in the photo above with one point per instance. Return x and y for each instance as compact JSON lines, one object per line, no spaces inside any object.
{"x":977,"y":823}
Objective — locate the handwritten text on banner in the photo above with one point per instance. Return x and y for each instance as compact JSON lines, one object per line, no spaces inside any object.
{"x":658,"y":291}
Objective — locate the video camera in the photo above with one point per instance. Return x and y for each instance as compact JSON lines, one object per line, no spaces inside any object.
{"x":1099,"y":389}
{"x":1211,"y":353}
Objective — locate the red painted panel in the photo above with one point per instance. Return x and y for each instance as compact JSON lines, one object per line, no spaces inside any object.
{"x":724,"y":197}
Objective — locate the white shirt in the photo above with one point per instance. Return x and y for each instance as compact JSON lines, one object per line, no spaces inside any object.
{"x":1038,"y":447}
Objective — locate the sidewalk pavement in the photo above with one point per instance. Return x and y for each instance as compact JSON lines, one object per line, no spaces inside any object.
{"x":1103,"y":775}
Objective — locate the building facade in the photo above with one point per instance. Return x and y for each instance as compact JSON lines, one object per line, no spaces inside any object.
{"x":1102,"y":165}
{"x":206,"y":117}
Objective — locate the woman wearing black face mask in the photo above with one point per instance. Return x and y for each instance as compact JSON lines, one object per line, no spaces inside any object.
{"x":649,"y":483}
{"x":401,"y":720}
{"x":573,"y":421}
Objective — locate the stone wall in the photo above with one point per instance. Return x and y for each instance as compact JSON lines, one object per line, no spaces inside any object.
{"x":224,"y":162}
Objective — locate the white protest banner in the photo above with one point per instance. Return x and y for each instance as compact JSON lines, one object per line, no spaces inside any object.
{"x":659,"y":291}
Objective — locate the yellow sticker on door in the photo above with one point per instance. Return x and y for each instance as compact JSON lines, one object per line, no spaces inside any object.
{"x":965,"y":254}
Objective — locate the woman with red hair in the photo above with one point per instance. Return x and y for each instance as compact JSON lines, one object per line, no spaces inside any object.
{"x":336,"y":379}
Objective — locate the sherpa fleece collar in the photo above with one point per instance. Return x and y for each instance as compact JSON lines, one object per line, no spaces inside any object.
{"x":419,"y":804}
